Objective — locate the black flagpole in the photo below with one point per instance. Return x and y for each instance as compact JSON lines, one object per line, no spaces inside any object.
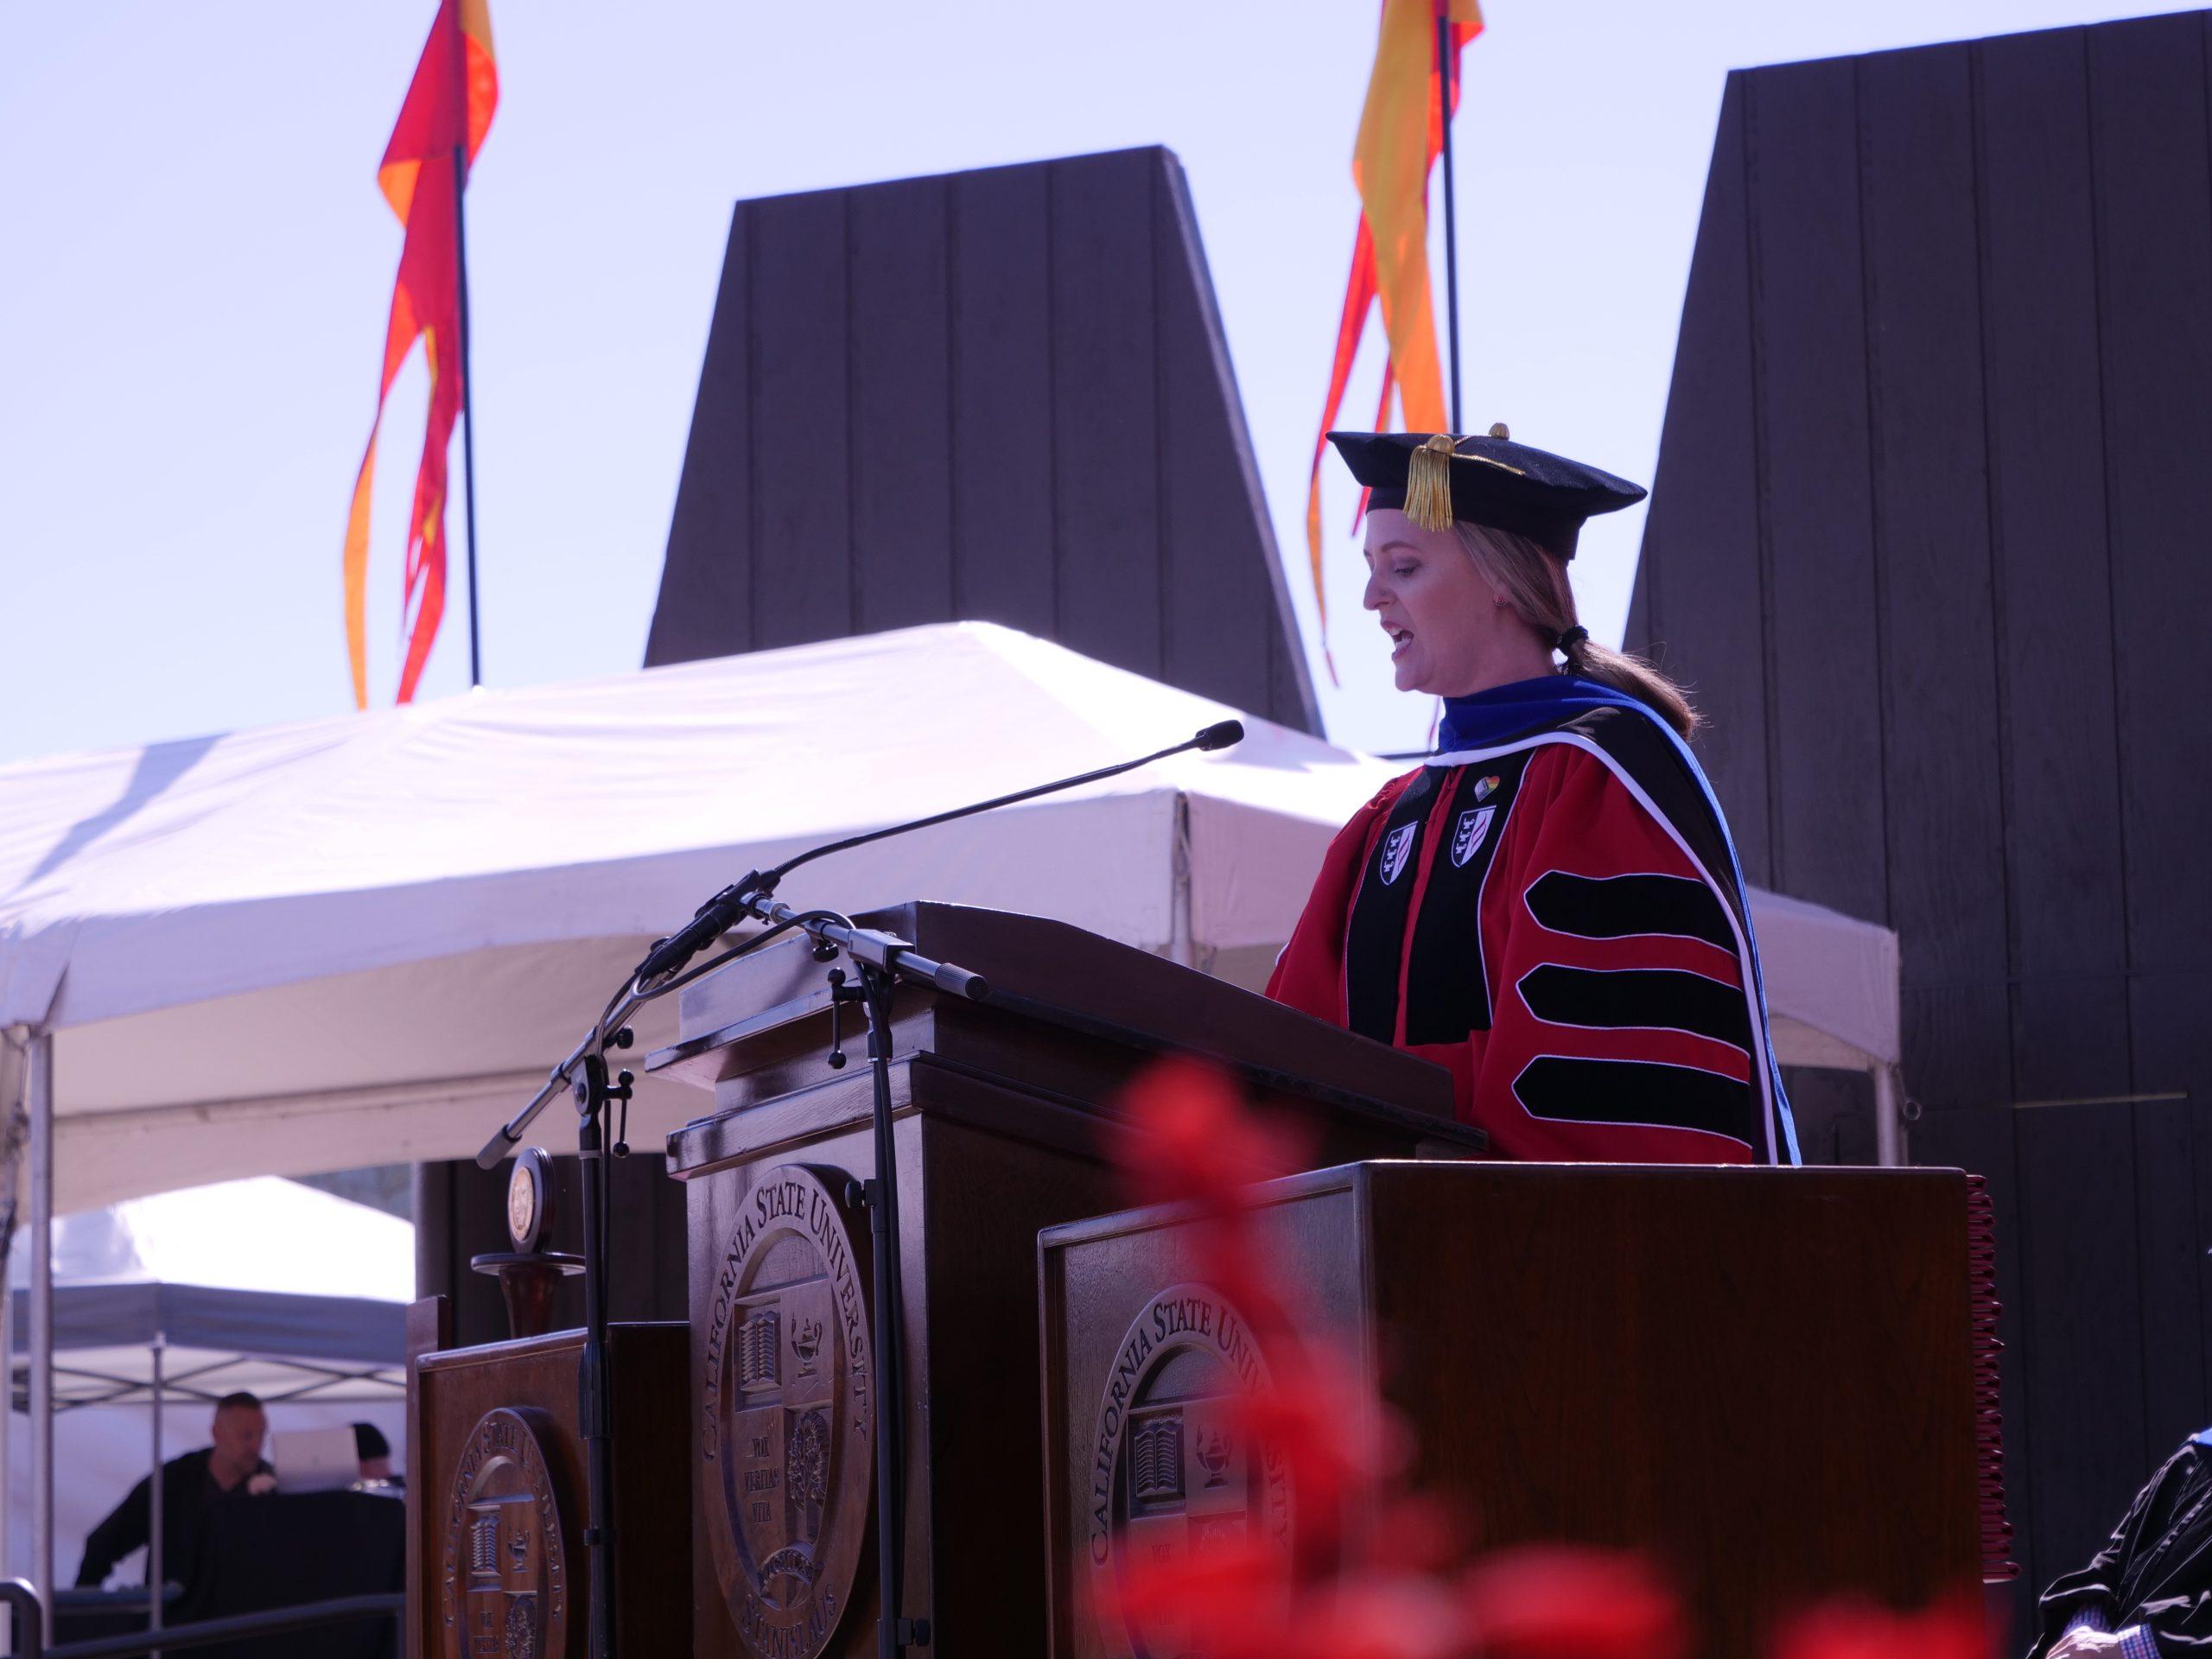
{"x":469,"y":391}
{"x":1451,"y":228}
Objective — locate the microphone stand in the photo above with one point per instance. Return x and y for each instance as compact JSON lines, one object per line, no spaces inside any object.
{"x":594,"y":1401}
{"x":882,"y":961}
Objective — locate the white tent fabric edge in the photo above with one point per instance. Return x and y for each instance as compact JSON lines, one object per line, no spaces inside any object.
{"x":352,"y":940}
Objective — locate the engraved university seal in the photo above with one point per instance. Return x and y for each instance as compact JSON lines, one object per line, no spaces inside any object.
{"x":505,"y":1594}
{"x":1173,"y":1472}
{"x":787,"y":1424}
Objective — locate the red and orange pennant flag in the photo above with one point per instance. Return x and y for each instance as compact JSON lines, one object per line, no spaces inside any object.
{"x":1400,"y":135}
{"x":449,"y":105}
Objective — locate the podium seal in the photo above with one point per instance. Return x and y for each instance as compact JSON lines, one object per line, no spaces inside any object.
{"x":787,"y":1422}
{"x":506,"y":1587}
{"x":1173,"y":1471}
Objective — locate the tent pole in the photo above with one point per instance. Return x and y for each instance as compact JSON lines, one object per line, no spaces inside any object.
{"x":1889,"y":1123}
{"x":7,"y":1437}
{"x":1182,"y":942}
{"x":39,"y":1077}
{"x":157,"y":1578}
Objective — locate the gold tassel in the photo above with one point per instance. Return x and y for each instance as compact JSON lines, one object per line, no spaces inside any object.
{"x":1428,"y":483}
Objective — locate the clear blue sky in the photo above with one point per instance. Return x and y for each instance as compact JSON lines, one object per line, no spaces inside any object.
{"x":199,"y":265}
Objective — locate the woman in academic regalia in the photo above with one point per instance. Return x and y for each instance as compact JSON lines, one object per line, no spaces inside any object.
{"x":1550,"y":906}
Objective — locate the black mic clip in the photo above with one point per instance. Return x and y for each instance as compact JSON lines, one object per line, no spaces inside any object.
{"x":708,"y":923}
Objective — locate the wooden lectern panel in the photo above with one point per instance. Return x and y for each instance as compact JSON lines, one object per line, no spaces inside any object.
{"x":1763,"y":1376}
{"x":496,"y":1497}
{"x":1000,"y":1112}
{"x":972,"y":1199}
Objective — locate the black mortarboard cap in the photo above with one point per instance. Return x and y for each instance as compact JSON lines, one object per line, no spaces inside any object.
{"x":1434,"y":479}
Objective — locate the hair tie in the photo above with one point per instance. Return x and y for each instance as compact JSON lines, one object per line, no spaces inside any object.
{"x":1573,"y":637}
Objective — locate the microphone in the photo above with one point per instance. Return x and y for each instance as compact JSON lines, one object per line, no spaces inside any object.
{"x":722,"y":911}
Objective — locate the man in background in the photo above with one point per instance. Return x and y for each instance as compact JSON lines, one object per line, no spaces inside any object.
{"x":191,"y":1485}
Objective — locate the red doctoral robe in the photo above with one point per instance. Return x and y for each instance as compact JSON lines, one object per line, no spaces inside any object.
{"x":1558,"y":921}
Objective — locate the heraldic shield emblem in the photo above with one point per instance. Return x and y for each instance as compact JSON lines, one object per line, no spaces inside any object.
{"x":1467,"y":835}
{"x":1396,"y":848}
{"x":506,"y":1586}
{"x":1175,"y":1474}
{"x":788,"y":1430}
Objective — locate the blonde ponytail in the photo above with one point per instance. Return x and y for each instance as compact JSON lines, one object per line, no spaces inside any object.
{"x":1536,"y":586}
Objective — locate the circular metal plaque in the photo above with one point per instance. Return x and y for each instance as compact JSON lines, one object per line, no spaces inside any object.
{"x":506,"y":1579}
{"x":530,"y":1199}
{"x":787,"y":1424}
{"x":1175,"y":1473}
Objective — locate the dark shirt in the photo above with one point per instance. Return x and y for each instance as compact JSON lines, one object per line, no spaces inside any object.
{"x":188,"y":1492}
{"x":2152,"y":1582}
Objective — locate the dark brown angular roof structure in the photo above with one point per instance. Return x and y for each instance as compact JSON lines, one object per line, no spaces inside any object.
{"x":1001,"y":396}
{"x":1929,"y":540}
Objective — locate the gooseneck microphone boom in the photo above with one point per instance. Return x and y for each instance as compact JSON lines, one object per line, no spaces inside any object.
{"x":727,"y":908}
{"x":754,"y":895}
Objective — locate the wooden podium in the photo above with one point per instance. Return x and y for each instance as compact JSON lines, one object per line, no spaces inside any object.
{"x":1763,"y":1376}
{"x":999,"y":1106}
{"x":495,"y":1479}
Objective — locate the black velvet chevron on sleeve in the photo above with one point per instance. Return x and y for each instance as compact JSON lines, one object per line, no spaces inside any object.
{"x":1619,"y":906}
{"x":1656,"y":999}
{"x":1638,"y":1091}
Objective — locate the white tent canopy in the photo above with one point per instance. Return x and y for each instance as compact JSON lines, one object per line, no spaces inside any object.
{"x":1831,"y":985}
{"x":362,"y":939}
{"x":323,"y":1317}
